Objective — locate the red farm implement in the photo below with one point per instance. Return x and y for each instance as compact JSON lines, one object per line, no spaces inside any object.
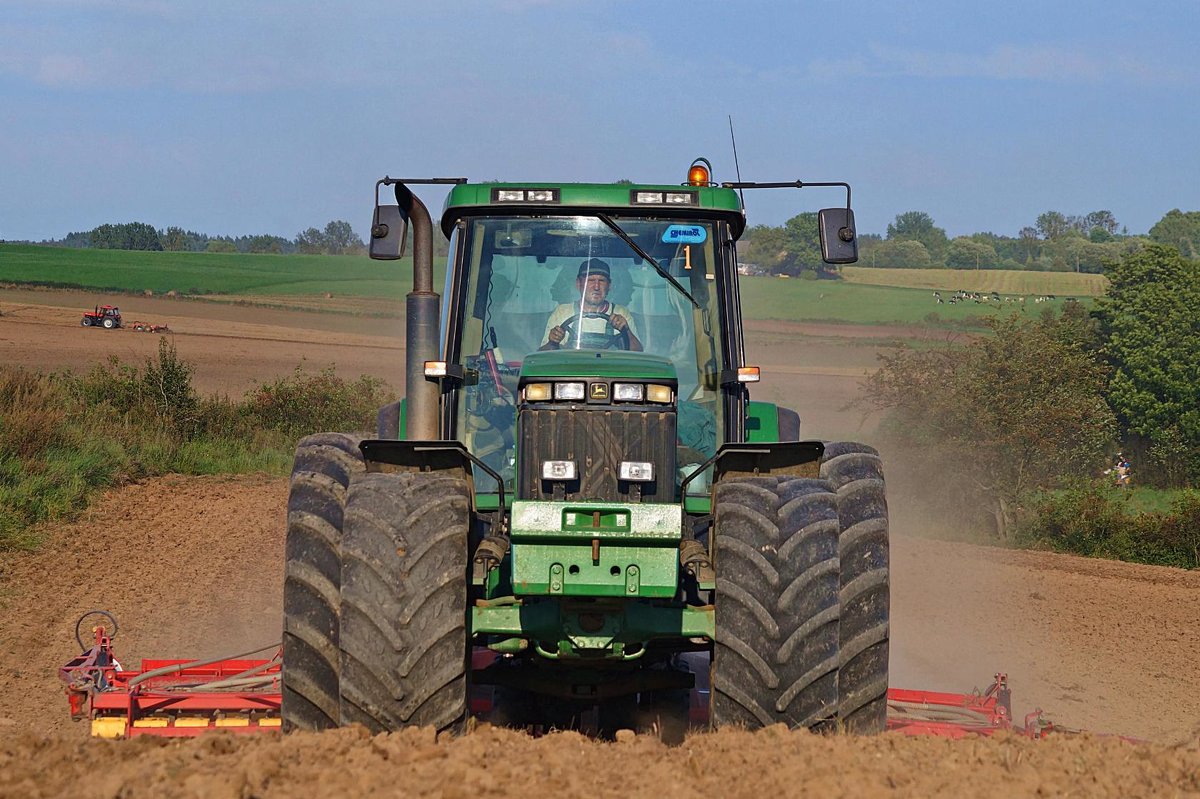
{"x":148,"y":327}
{"x":171,"y":698}
{"x":178,"y":698}
{"x":958,"y":715}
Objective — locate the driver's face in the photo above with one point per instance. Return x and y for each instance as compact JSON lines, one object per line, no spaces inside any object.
{"x":594,"y":289}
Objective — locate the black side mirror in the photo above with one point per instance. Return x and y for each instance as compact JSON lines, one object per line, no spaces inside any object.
{"x":389,"y":233}
{"x":839,"y":241}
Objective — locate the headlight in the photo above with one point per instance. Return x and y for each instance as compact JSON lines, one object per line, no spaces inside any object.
{"x":537,"y":392}
{"x":656,"y":392}
{"x":568,"y":391}
{"x":636,"y":471}
{"x":629,"y":392}
{"x":558,"y":470}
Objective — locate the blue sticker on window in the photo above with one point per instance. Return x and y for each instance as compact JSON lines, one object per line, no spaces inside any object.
{"x":685,"y":234}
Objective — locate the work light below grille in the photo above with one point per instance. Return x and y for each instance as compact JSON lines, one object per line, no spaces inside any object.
{"x":559,"y":470}
{"x":636,"y":471}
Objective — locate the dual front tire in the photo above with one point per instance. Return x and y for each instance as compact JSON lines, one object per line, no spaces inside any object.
{"x":324,"y":465}
{"x":374,"y":594}
{"x":404,"y":602}
{"x":802,"y":597}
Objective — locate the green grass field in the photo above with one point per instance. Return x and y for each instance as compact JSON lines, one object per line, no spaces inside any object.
{"x":205,"y":273}
{"x":865,"y":296}
{"x":1006,"y":282}
{"x":860,"y":303}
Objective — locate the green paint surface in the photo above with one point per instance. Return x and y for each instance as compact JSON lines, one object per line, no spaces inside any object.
{"x":592,"y":363}
{"x":595,"y":549}
{"x":762,"y":421}
{"x":589,"y":195}
{"x":557,"y":629}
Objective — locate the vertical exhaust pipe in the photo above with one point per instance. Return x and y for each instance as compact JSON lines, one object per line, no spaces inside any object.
{"x":422,"y":318}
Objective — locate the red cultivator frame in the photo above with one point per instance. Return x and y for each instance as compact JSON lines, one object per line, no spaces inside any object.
{"x":171,"y":698}
{"x":959,"y":715}
{"x":176,"y":698}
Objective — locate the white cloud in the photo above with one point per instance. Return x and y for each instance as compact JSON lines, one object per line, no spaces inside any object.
{"x":1006,"y":62}
{"x":527,"y":5}
{"x":154,"y":8}
{"x":1044,"y":63}
{"x":62,"y":70}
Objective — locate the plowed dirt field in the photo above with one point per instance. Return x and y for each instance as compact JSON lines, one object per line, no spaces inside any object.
{"x":193,"y":567}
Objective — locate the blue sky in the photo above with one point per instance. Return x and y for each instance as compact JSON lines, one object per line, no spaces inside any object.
{"x":270,"y":117}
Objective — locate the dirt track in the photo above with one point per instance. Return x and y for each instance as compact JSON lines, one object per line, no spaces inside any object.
{"x":192,"y":567}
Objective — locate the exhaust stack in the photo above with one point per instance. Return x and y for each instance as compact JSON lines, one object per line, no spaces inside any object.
{"x":422,"y":312}
{"x":389,"y":229}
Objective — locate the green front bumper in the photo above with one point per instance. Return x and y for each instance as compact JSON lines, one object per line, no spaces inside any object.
{"x":595,"y":549}
{"x":573,"y":629}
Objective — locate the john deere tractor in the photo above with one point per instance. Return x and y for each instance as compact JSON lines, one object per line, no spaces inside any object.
{"x":577,"y":517}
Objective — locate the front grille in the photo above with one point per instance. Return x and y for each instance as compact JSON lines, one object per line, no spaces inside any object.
{"x":597,"y":439}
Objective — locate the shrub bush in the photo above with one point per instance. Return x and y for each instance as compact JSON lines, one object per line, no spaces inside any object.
{"x":33,"y":414}
{"x":1097,"y":521}
{"x":64,"y":436}
{"x":305,"y":403}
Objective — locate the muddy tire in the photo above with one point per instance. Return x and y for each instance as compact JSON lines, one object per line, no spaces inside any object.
{"x":312,"y":577}
{"x":775,"y":659}
{"x":86,"y":321}
{"x":789,"y":424}
{"x":856,"y":471}
{"x":405,"y":657}
{"x":109,"y":323}
{"x":387,"y":421}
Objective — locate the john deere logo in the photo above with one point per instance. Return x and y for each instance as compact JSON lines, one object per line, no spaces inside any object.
{"x":599,"y":391}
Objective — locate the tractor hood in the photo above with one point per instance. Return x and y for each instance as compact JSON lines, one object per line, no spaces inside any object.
{"x":597,"y":363}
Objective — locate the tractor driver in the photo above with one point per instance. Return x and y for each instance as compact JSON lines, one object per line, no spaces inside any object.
{"x":594,"y":322}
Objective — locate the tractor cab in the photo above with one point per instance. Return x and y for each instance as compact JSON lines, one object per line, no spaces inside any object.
{"x":563,"y":305}
{"x":569,"y":339}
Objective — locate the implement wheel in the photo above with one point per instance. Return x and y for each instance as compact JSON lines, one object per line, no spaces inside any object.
{"x":312,"y":578}
{"x":775,"y":659}
{"x":404,"y":602}
{"x":856,"y":471}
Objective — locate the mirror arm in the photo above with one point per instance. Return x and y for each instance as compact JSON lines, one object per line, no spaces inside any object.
{"x":794,"y":184}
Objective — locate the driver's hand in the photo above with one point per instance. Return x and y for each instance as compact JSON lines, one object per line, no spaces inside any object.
{"x":557,"y":334}
{"x":618,"y":322}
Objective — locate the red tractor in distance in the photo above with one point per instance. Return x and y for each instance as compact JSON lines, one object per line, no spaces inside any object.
{"x":106,"y":316}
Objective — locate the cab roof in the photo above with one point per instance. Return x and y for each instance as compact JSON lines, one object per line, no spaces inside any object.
{"x":564,"y":199}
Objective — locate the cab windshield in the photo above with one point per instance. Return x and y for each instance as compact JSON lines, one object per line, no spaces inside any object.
{"x":573,"y":283}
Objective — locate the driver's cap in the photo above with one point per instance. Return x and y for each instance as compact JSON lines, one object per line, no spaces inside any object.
{"x":594,"y":266}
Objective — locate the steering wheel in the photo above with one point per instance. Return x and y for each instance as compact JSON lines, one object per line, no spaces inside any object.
{"x":598,"y":341}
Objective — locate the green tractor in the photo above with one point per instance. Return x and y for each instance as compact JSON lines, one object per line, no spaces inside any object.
{"x":577,"y":518}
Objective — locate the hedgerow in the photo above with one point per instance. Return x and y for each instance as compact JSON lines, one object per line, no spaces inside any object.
{"x":65,"y":436}
{"x":1098,"y":521}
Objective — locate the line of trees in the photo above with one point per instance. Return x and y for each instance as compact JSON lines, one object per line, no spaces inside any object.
{"x":336,"y":238}
{"x":1056,"y":242}
{"x":793,"y":249}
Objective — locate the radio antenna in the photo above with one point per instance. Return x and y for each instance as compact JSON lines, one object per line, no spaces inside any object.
{"x":736,"y":167}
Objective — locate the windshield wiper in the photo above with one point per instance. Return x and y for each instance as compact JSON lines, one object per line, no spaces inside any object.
{"x":633,"y":245}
